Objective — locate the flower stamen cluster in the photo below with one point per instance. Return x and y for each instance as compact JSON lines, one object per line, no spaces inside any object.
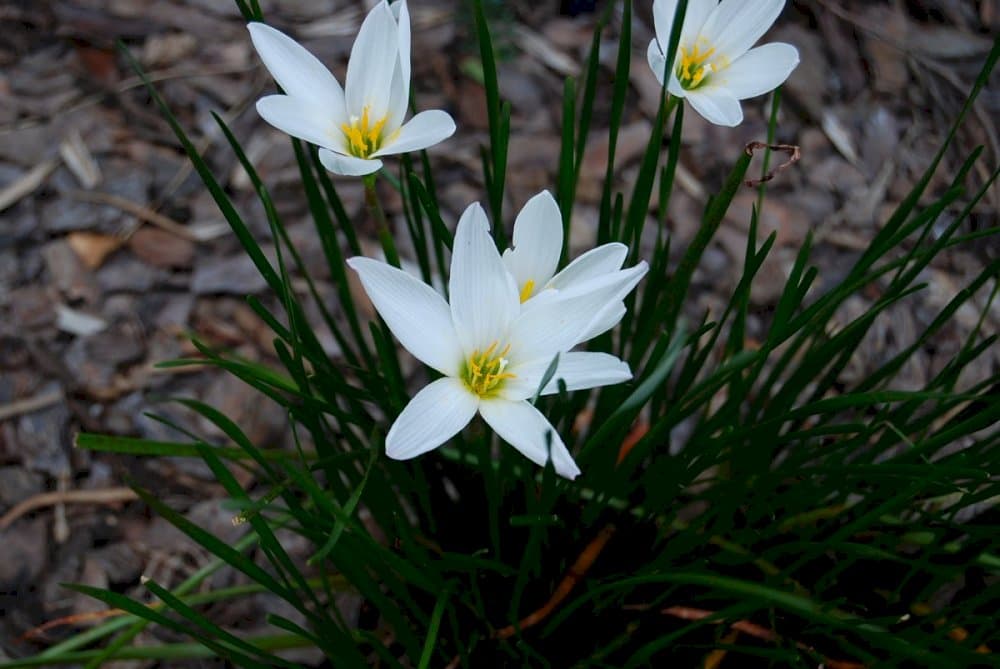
{"x":484,"y":370}
{"x":694,"y":66}
{"x":363,"y":137}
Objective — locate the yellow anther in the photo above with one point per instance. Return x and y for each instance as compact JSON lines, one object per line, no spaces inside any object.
{"x":694,"y":66}
{"x":529,"y":288}
{"x":484,"y":373}
{"x":363,"y":137}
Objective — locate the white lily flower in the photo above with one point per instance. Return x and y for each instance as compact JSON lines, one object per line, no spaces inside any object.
{"x":532,"y":261}
{"x":356,"y":125}
{"x":715,"y":67}
{"x":491,"y":352}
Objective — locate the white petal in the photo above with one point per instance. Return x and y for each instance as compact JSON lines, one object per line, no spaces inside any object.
{"x":425,"y":129}
{"x":538,"y":238}
{"x":400,"y":98}
{"x":604,"y":259}
{"x":348,"y":166}
{"x":717,"y":105}
{"x":694,"y":17}
{"x":301,"y":119}
{"x":433,"y":416}
{"x":579,"y":369}
{"x":296,"y":70}
{"x":526,"y":429}
{"x":609,"y":317}
{"x":484,"y":299}
{"x":541,"y":333}
{"x":418,"y":317}
{"x":373,"y":59}
{"x":399,"y":102}
{"x":736,"y":25}
{"x":657,"y":61}
{"x":759,"y":70}
{"x":401,"y":13}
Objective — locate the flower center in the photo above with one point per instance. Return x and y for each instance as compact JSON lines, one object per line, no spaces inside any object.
{"x":694,"y":67}
{"x":527,"y":290}
{"x":364,"y":137}
{"x":483,"y":373}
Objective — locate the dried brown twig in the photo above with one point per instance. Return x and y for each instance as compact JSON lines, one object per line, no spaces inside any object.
{"x":793,"y":157}
{"x":102,"y":496}
{"x":569,"y":581}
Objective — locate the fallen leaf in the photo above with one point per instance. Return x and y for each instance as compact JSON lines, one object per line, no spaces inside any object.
{"x":93,"y":248}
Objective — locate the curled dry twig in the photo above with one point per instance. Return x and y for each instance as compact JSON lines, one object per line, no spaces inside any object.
{"x":793,"y":157}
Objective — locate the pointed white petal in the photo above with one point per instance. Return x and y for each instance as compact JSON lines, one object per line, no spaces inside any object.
{"x":538,"y":238}
{"x":717,"y":105}
{"x":401,"y":13}
{"x":417,"y":316}
{"x":399,"y":99}
{"x":604,"y":259}
{"x":579,"y":369}
{"x":759,"y":70}
{"x":423,"y":130}
{"x":348,"y":166}
{"x":373,"y":59}
{"x":657,"y":61}
{"x":296,"y":70}
{"x":736,"y":25}
{"x":484,"y":299}
{"x":543,"y":332}
{"x":526,"y":429}
{"x":663,"y":22}
{"x":301,"y":119}
{"x":694,"y":17}
{"x":433,"y":416}
{"x":609,"y":317}
{"x":399,"y":102}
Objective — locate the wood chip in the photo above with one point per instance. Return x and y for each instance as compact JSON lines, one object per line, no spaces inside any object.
{"x":79,"y":160}
{"x":839,"y":136}
{"x":542,"y":50}
{"x":77,"y":323}
{"x":27,"y":183}
{"x":30,"y":404}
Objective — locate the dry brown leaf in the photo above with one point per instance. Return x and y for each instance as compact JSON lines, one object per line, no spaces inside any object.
{"x":93,"y":248}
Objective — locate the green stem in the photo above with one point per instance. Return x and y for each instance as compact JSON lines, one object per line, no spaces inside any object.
{"x":381,"y":223}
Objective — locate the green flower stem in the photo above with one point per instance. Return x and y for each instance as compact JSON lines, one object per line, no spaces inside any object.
{"x":671,"y":102}
{"x":381,"y":223}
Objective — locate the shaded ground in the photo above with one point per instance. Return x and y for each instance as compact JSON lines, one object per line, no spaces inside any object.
{"x":110,"y":250}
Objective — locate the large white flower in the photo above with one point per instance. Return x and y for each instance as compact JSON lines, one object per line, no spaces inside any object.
{"x":491,"y":352}
{"x":715,"y":67}
{"x":355,"y":125}
{"x":534,"y":257}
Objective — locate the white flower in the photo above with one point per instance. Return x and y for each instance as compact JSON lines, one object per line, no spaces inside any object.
{"x":537,"y":245}
{"x":355,"y":125}
{"x":491,"y":352}
{"x":715,"y":67}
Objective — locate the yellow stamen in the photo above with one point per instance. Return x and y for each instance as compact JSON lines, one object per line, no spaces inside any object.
{"x":529,"y":288}
{"x":483,"y":373}
{"x":694,"y":66}
{"x":363,"y":137}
